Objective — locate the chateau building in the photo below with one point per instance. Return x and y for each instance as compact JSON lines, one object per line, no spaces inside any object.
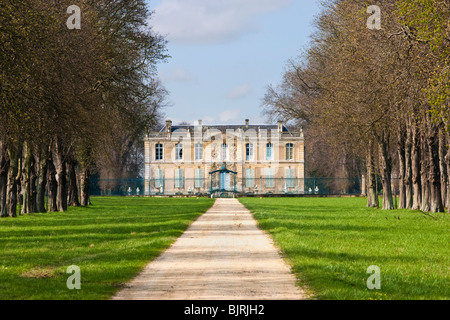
{"x":243,"y":159}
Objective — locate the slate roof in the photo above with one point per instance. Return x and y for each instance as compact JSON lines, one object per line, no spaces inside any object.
{"x":224,"y":128}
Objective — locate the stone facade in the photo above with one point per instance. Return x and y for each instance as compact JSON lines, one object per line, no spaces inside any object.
{"x":266,"y":159}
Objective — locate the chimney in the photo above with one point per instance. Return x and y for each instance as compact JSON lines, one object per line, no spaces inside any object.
{"x":168,"y":126}
{"x":280,"y":126}
{"x":247,"y":122}
{"x":199,"y":123}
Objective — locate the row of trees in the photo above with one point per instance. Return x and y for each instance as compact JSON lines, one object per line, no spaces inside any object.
{"x":376,"y":101}
{"x":72,"y":101}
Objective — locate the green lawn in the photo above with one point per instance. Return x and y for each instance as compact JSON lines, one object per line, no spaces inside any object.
{"x":111,"y":242}
{"x":330,"y":243}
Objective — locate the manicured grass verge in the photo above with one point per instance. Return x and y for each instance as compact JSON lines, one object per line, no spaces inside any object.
{"x":330,"y":243}
{"x":110,"y":241}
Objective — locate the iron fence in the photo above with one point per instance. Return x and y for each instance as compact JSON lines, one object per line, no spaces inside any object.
{"x":239,"y":186}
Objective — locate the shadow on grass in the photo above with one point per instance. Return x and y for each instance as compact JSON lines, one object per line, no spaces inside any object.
{"x":330,"y":243}
{"x":110,"y":241}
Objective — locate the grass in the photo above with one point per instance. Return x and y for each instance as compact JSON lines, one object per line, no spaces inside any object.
{"x":331,"y":242}
{"x":111,"y":242}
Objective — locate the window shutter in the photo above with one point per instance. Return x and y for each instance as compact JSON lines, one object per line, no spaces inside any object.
{"x":249,"y":174}
{"x":269,"y":178}
{"x":199,"y":178}
{"x":289,"y":177}
{"x":159,"y":176}
{"x":178,"y":178}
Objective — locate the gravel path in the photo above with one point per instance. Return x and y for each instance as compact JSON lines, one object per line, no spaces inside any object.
{"x":222,"y":256}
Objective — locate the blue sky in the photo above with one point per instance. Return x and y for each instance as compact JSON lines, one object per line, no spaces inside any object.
{"x":226,"y":52}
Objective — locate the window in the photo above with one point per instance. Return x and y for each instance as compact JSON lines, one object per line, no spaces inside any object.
{"x":159,"y":178}
{"x":159,"y":152}
{"x":249,"y":152}
{"x":224,"y":152}
{"x":269,"y":152}
{"x":289,"y":151}
{"x":270,"y":181}
{"x":199,"y":151}
{"x":289,"y":178}
{"x":198,"y":178}
{"x":249,"y":178}
{"x":179,"y":178}
{"x":225,"y":181}
{"x":179,"y":151}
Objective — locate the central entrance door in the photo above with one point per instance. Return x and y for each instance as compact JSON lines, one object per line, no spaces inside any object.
{"x":223,"y":182}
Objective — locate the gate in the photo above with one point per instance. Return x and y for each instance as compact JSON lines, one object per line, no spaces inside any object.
{"x":223,"y":183}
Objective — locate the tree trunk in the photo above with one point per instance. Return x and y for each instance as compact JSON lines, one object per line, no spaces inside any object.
{"x":85,"y":160}
{"x":41,"y":183}
{"x":408,"y":170}
{"x":52,"y":185}
{"x":61,"y":178}
{"x":85,"y":187}
{"x":402,"y":169}
{"x":13,"y":172}
{"x":33,"y":180}
{"x":386,"y":171}
{"x":447,"y":162}
{"x":372,"y":194}
{"x":434,"y":174}
{"x":25,"y":185}
{"x":4,"y":163}
{"x":28,"y":185}
{"x":73,"y":185}
{"x":416,"y":156}
{"x":424,"y":172}
{"x":443,"y":167}
{"x":447,"y":159}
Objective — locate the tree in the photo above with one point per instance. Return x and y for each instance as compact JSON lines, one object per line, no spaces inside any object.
{"x":61,"y":99}
{"x":368,"y":92}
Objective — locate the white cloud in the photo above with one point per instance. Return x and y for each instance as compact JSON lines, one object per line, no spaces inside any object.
{"x":229,"y":115}
{"x":205,"y":119}
{"x":210,"y":21}
{"x":240,"y":92}
{"x":208,"y":120}
{"x":176,"y":75}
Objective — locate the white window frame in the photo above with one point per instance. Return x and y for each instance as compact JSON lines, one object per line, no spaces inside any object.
{"x":199,"y":152}
{"x":289,"y":151}
{"x":249,"y":152}
{"x":269,"y":146}
{"x":224,"y":152}
{"x":159,"y":150}
{"x":178,"y":152}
